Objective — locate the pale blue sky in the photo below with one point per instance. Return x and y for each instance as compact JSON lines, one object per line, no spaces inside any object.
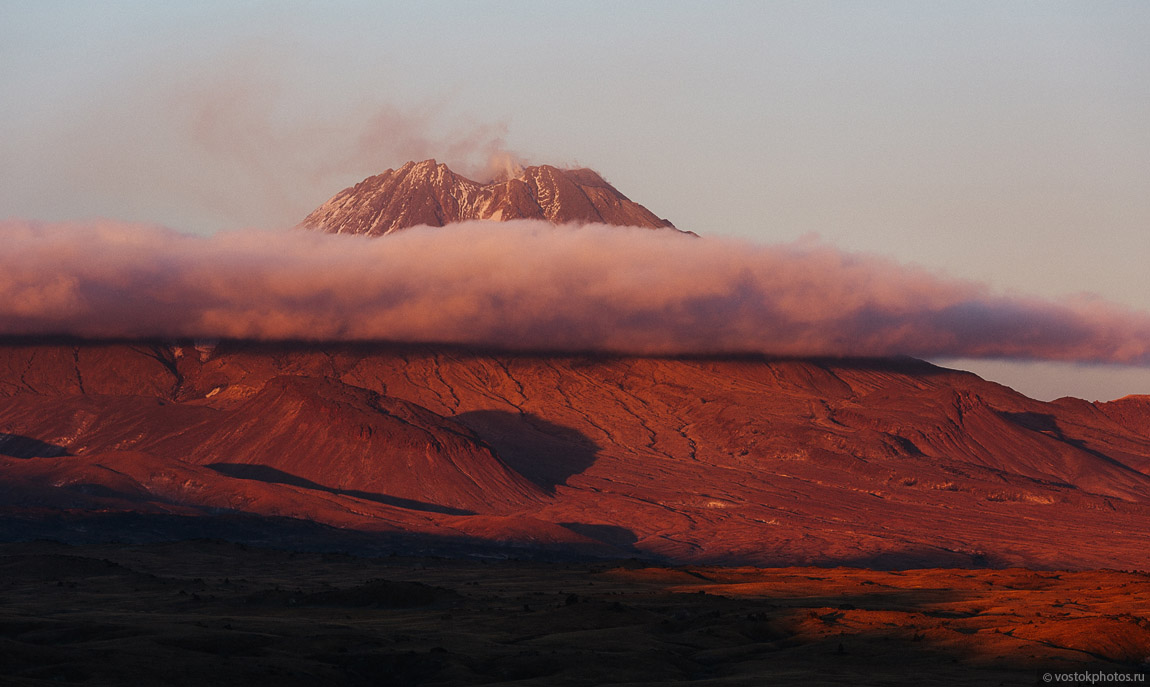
{"x":1003,"y":142}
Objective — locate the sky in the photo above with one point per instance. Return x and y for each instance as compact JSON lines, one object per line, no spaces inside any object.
{"x":1002,"y":143}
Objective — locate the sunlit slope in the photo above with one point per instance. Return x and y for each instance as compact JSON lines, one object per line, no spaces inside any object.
{"x":876,"y":462}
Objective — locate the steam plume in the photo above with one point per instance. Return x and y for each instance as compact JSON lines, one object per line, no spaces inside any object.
{"x":220,"y":138}
{"x":529,"y":285}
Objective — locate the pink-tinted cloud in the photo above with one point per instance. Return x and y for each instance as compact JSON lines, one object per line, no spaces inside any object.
{"x":529,"y":285}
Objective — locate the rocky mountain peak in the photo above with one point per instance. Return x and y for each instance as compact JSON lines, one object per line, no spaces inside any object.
{"x":429,"y":193}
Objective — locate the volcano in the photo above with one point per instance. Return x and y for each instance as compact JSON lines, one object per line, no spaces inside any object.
{"x":428,"y":193}
{"x":743,"y":460}
{"x":199,"y":498}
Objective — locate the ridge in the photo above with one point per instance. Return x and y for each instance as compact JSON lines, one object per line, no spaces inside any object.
{"x":430,"y":193}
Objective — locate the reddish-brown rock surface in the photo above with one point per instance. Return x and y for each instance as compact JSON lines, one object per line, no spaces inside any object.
{"x":427,"y":193}
{"x":735,"y":461}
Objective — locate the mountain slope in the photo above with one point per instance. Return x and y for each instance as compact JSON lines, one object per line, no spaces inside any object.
{"x":427,"y":193}
{"x":728,"y":460}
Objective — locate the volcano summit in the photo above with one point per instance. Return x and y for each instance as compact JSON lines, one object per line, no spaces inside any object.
{"x":428,"y":193}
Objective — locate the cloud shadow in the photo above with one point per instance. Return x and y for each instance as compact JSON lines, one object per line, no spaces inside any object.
{"x":18,"y":446}
{"x":546,"y":453}
{"x":270,"y":475}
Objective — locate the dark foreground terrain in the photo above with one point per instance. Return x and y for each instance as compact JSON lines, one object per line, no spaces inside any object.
{"x":212,"y":613}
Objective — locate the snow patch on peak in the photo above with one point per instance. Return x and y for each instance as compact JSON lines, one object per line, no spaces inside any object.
{"x":430,"y":193}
